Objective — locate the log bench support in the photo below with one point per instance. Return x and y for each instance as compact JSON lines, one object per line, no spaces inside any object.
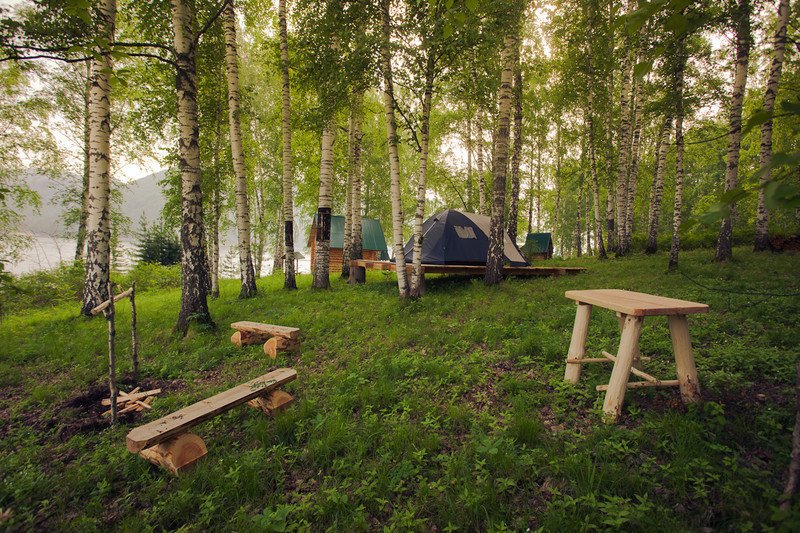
{"x":167,"y":442}
{"x":631,"y":308}
{"x":275,"y":338}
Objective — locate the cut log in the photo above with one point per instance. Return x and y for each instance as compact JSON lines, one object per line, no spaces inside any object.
{"x":176,"y":454}
{"x":279,"y":344}
{"x":180,"y":421}
{"x":274,"y":402}
{"x":267,"y":329}
{"x":247,"y":338}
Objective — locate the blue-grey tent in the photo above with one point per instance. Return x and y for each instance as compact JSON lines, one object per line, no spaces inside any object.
{"x":453,"y":237}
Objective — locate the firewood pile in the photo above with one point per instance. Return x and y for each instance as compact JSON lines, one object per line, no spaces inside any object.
{"x":133,"y":401}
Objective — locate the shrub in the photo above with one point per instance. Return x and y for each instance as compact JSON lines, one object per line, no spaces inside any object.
{"x":158,"y":245}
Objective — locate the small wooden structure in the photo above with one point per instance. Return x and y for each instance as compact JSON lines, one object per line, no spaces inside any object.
{"x":631,"y":308}
{"x":275,"y":338}
{"x":538,"y":246}
{"x":166,"y":442}
{"x":372,"y":241}
{"x":467,"y":270}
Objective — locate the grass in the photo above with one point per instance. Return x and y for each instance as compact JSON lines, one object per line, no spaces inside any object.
{"x":447,"y":413}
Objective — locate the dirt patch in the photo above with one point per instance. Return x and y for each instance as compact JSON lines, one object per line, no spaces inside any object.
{"x":487,"y":395}
{"x":83,"y":412}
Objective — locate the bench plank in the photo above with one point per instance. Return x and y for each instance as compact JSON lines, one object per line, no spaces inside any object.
{"x":178,"y":422}
{"x":268,"y":329}
{"x":636,"y":303}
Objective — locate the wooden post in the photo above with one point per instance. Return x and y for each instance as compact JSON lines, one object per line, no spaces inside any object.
{"x":684,"y":360}
{"x":134,"y":336}
{"x":612,"y":406}
{"x":112,"y":356}
{"x":637,"y":355}
{"x":577,"y":346}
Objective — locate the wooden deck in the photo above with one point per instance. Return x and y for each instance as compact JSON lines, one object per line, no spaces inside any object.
{"x":469,"y":270}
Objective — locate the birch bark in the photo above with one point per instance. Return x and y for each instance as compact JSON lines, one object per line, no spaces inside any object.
{"x":678,"y":205}
{"x":323,"y":235}
{"x":657,"y":189}
{"x":765,"y":157}
{"x":289,"y":281}
{"x":98,"y":223}
{"x":357,"y":275}
{"x":516,"y":155}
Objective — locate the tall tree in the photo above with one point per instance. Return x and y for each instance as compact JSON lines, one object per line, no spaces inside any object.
{"x":356,"y":169}
{"x":657,"y":188}
{"x":624,"y":142}
{"x":392,"y":142}
{"x":680,"y":68}
{"x":516,"y":155}
{"x":98,"y":221}
{"x":494,"y":259}
{"x":286,"y":130}
{"x":765,"y":156}
{"x":724,"y":250}
{"x":194,"y":287}
{"x":247,"y":274}
{"x":322,"y":241}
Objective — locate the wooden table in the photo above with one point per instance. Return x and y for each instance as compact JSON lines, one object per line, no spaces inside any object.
{"x":631,"y":308}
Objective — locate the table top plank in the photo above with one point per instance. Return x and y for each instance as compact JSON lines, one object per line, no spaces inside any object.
{"x":636,"y":303}
{"x":180,"y":421}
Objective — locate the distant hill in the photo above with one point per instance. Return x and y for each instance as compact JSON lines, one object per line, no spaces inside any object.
{"x":139,"y":197}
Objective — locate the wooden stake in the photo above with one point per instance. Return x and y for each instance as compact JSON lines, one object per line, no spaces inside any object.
{"x":635,"y":371}
{"x":112,"y":356}
{"x":134,"y":336}
{"x":794,"y":464}
{"x":104,"y":305}
{"x":612,"y":406}
{"x":643,"y":384}
{"x":684,"y":360}
{"x":577,"y":346}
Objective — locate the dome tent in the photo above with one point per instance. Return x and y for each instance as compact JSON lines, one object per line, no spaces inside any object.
{"x":453,"y":237}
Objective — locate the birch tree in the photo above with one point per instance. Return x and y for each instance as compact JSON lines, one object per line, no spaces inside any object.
{"x":246,"y":271}
{"x":356,"y":275}
{"x":322,"y":237}
{"x":724,"y":250}
{"x":657,"y":188}
{"x":679,"y":168}
{"x":194,"y":286}
{"x":765,"y":155}
{"x":286,"y":132}
{"x":98,"y":223}
{"x":516,"y":155}
{"x":494,"y":259}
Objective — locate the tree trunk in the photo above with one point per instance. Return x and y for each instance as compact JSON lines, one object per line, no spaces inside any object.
{"x":194,"y":304}
{"x":479,"y":163}
{"x":216,"y":205}
{"x":81,"y":238}
{"x":676,"y":212}
{"x":247,"y":273}
{"x":513,"y":207}
{"x":419,"y":215}
{"x":323,"y":235}
{"x":657,"y":189}
{"x":494,"y":260}
{"x":470,"y":189}
{"x":98,"y":220}
{"x":260,"y":234}
{"x":578,"y":235}
{"x":357,"y":275}
{"x":633,"y":174}
{"x":557,"y":183}
{"x":289,"y":281}
{"x":598,"y":221}
{"x":539,"y":189}
{"x":348,"y":202}
{"x":624,"y":143}
{"x":279,"y":260}
{"x":725,"y":241}
{"x":394,"y":158}
{"x":765,"y":158}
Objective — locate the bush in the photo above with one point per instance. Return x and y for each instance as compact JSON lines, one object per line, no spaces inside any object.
{"x":158,"y":245}
{"x":44,"y":288}
{"x":153,"y":276}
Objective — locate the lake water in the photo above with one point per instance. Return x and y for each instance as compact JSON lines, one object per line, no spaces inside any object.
{"x":45,"y":252}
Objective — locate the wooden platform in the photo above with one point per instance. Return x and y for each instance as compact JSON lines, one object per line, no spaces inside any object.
{"x":469,"y":270}
{"x":180,"y":421}
{"x":636,"y":303}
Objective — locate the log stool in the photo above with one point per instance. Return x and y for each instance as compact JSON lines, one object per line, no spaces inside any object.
{"x":631,"y":308}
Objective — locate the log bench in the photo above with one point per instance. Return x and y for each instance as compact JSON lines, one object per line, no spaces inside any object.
{"x":166,"y":442}
{"x":275,"y":338}
{"x":631,"y":308}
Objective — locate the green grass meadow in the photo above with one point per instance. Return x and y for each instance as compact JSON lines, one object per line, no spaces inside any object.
{"x":445,"y":414}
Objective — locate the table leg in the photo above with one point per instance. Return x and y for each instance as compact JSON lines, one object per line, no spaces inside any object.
{"x":684,"y":360}
{"x":637,"y":362}
{"x":612,"y":406}
{"x":577,"y":346}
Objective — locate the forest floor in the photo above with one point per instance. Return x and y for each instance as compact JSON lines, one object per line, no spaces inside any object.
{"x":445,"y":414}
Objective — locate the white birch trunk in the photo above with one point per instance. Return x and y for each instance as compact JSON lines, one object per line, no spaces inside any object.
{"x":246,"y":271}
{"x":394,"y":158}
{"x":657,"y":189}
{"x":516,"y":155}
{"x":356,"y":245}
{"x":98,"y":219}
{"x":419,"y":215}
{"x":323,"y":236}
{"x":678,"y":205}
{"x":289,"y":281}
{"x":765,"y":157}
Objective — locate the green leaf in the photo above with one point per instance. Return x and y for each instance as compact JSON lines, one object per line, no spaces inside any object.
{"x":780,"y":195}
{"x":756,"y":119}
{"x":641,"y":69}
{"x":447,"y":31}
{"x":791,"y":107}
{"x":472,"y":5}
{"x":676,"y":23}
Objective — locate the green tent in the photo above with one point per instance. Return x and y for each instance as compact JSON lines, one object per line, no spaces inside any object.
{"x":371,"y":235}
{"x":538,"y":245}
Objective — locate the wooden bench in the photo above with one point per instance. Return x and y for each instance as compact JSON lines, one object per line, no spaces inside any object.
{"x":167,"y":442}
{"x":275,"y":338}
{"x":631,"y":308}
